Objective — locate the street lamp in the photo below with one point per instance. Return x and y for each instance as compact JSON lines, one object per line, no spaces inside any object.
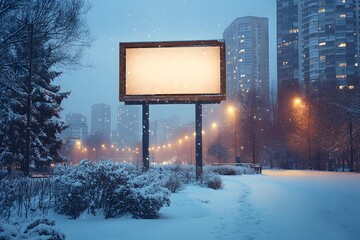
{"x":232,"y":111}
{"x":348,"y":88}
{"x":214,"y":125}
{"x":299,"y":102}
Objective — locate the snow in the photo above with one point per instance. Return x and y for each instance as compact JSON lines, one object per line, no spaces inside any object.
{"x":274,"y":205}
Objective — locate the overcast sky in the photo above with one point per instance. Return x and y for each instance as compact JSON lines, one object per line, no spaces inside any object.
{"x":114,"y":21}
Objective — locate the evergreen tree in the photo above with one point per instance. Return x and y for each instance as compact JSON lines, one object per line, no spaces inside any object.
{"x":38,"y":37}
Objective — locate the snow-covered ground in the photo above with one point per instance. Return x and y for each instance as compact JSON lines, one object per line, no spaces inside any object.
{"x":274,"y":205}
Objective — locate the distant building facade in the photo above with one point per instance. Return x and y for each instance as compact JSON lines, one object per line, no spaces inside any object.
{"x":77,"y":127}
{"x":101,"y":120}
{"x":318,"y":45}
{"x":127,"y":133}
{"x":247,"y":58}
{"x":288,"y":50}
{"x":163,"y":130}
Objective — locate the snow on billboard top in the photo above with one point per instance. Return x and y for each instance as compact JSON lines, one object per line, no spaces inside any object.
{"x":172,"y":72}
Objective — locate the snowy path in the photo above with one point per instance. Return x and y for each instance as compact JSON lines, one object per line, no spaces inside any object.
{"x":276,"y":205}
{"x":305,"y":205}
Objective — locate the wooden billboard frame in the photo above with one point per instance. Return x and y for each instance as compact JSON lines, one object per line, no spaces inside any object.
{"x":172,"y":98}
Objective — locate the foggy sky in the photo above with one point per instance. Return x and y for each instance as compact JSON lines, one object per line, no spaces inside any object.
{"x":114,"y":21}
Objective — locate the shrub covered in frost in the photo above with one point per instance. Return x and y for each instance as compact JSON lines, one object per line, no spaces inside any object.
{"x":21,"y":196}
{"x":147,"y":195}
{"x":211,"y":180}
{"x":229,"y":170}
{"x":39,"y":229}
{"x":43,"y":229}
{"x":71,"y":189}
{"x":8,"y":232}
{"x":108,"y":188}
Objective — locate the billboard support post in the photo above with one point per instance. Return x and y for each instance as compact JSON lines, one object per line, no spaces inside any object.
{"x":172,"y":72}
{"x":145,"y":136}
{"x":198,"y":142}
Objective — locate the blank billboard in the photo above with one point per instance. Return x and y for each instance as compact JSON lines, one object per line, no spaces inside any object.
{"x":172,"y":72}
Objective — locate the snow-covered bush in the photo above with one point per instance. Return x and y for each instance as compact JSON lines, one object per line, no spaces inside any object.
{"x":21,"y":196}
{"x":147,"y":195}
{"x":108,"y":188}
{"x":8,"y":232}
{"x":174,"y":182}
{"x":211,"y":180}
{"x":230,"y":170}
{"x":42,"y":229}
{"x":70,"y":189}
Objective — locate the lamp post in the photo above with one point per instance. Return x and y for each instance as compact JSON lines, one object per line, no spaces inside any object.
{"x":214,"y":125}
{"x":299,"y":102}
{"x":348,"y":88}
{"x":232,"y":111}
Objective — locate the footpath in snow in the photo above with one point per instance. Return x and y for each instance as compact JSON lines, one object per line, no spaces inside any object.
{"x":273,"y":205}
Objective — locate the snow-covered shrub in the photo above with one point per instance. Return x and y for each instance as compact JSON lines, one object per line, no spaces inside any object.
{"x":7,"y":198}
{"x":109,"y":189}
{"x":8,"y":232}
{"x":70,"y":197}
{"x":176,"y":177}
{"x":211,"y":180}
{"x":23,"y":195}
{"x":43,"y":229}
{"x":225,"y":170}
{"x":147,"y":195}
{"x":117,"y":202}
{"x":174,"y":182}
{"x":39,"y":229}
{"x":71,"y":189}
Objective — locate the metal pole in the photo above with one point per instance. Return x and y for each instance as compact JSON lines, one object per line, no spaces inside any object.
{"x":145,"y":136}
{"x":26,"y":164}
{"x":235,"y":135}
{"x":309,"y":135}
{"x":198,"y":142}
{"x":218,"y":145}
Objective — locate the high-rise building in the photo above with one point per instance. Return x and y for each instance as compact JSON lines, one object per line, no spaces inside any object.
{"x":77,"y":127}
{"x":247,"y":58}
{"x":101,"y":120}
{"x":288,"y":49}
{"x":325,"y":35}
{"x":128,"y":126}
{"x":328,"y":42}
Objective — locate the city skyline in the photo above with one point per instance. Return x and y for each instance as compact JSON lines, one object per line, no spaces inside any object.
{"x":112,"y":22}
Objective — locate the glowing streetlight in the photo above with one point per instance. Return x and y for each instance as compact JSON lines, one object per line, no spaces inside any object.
{"x":298,"y":102}
{"x":232,"y":111}
{"x":214,"y":125}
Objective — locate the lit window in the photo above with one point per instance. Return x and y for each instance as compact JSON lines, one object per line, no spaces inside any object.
{"x":321,"y":10}
{"x":342,"y":15}
{"x":322,"y":44}
{"x":341,"y":76}
{"x":342,"y":64}
{"x":322,"y":58}
{"x":294,"y":30}
{"x":342,"y":45}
